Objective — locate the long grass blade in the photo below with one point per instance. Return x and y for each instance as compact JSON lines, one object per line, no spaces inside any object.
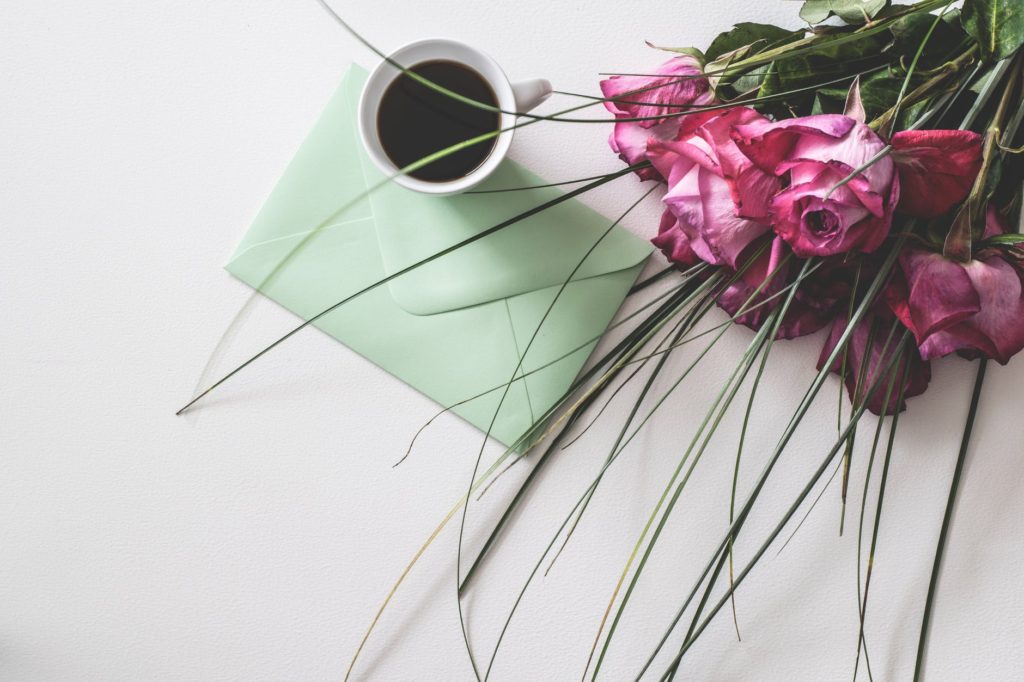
{"x":497,"y":411}
{"x":625,"y":350}
{"x":809,"y":396}
{"x":947,"y":517}
{"x":697,"y":295}
{"x":788,"y":515}
{"x":862,"y":598}
{"x":727,"y":394}
{"x":523,"y":375}
{"x":398,"y":273}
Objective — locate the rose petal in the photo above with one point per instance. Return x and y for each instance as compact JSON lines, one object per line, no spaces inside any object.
{"x":674,"y":243}
{"x":939,"y":292}
{"x":859,"y":145}
{"x":937,"y":168}
{"x":679,"y":83}
{"x":874,"y":342}
{"x":725,"y":233}
{"x":629,"y":141}
{"x":767,"y":144}
{"x":996,"y":330}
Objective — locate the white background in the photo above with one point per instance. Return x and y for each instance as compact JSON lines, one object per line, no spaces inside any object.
{"x":255,"y":539}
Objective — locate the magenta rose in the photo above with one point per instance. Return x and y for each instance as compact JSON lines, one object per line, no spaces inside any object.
{"x":679,"y":84}
{"x":717,"y":195}
{"x":867,"y":344}
{"x":974,"y":308}
{"x":811,"y":155}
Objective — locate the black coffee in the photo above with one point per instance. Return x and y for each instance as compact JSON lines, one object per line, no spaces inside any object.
{"x":414,"y":121}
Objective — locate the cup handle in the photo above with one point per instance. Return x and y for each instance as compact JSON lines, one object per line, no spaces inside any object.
{"x":528,"y":94}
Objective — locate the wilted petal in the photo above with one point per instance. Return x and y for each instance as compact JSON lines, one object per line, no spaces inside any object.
{"x":859,"y":145}
{"x":839,"y":194}
{"x":629,"y":141}
{"x":997,"y":330}
{"x":716,"y":131}
{"x":750,"y":186}
{"x":756,"y":293}
{"x":769,"y":143}
{"x":703,"y":200}
{"x":939,"y":293}
{"x":875,"y":342}
{"x":936,"y":168}
{"x":674,"y":243}
{"x":675,"y":159}
{"x":752,"y":191}
{"x":684,"y":201}
{"x":727,"y":234}
{"x":678,"y":85}
{"x":817,"y":226}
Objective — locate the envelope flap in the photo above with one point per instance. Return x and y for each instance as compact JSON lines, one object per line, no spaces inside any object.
{"x":532,"y":254}
{"x":324,"y":183}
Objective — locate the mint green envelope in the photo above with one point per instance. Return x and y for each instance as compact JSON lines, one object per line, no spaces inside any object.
{"x":457,"y":326}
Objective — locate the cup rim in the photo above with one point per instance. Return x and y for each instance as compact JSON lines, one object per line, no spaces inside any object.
{"x":506,"y":101}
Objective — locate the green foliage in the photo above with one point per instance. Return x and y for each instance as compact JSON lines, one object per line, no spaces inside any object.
{"x":997,"y":25}
{"x":909,"y":31}
{"x":878,"y":91}
{"x":689,"y":51}
{"x":827,"y":62}
{"x":746,"y":33}
{"x":850,"y":11}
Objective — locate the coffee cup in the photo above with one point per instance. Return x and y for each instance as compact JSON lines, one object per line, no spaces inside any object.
{"x":386,"y":123}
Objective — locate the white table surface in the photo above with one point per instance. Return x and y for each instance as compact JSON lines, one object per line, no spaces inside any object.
{"x":255,"y":539}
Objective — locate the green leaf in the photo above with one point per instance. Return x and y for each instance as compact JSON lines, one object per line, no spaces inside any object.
{"x":689,"y":51}
{"x":745,"y":33}
{"x":816,"y":11}
{"x":909,"y":31}
{"x":752,"y":79}
{"x":997,"y":25}
{"x":878,"y":91}
{"x":850,"y":11}
{"x":1005,"y":239}
{"x":809,"y":69}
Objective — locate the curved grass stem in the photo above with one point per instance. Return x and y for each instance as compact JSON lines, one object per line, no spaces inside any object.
{"x":947,"y":518}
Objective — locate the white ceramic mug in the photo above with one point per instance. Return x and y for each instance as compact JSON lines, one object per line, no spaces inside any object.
{"x":512,"y":97}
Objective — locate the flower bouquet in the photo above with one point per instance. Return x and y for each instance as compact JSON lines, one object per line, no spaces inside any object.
{"x":858,"y":177}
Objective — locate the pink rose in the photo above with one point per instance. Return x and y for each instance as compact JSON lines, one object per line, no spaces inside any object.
{"x":974,"y":308}
{"x":717,"y":195}
{"x":679,"y":84}
{"x":811,"y":155}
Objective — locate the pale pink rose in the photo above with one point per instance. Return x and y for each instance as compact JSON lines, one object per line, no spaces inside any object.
{"x":718,"y":197}
{"x":678,"y":85}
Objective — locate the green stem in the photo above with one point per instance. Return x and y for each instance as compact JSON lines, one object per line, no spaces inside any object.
{"x":947,"y":518}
